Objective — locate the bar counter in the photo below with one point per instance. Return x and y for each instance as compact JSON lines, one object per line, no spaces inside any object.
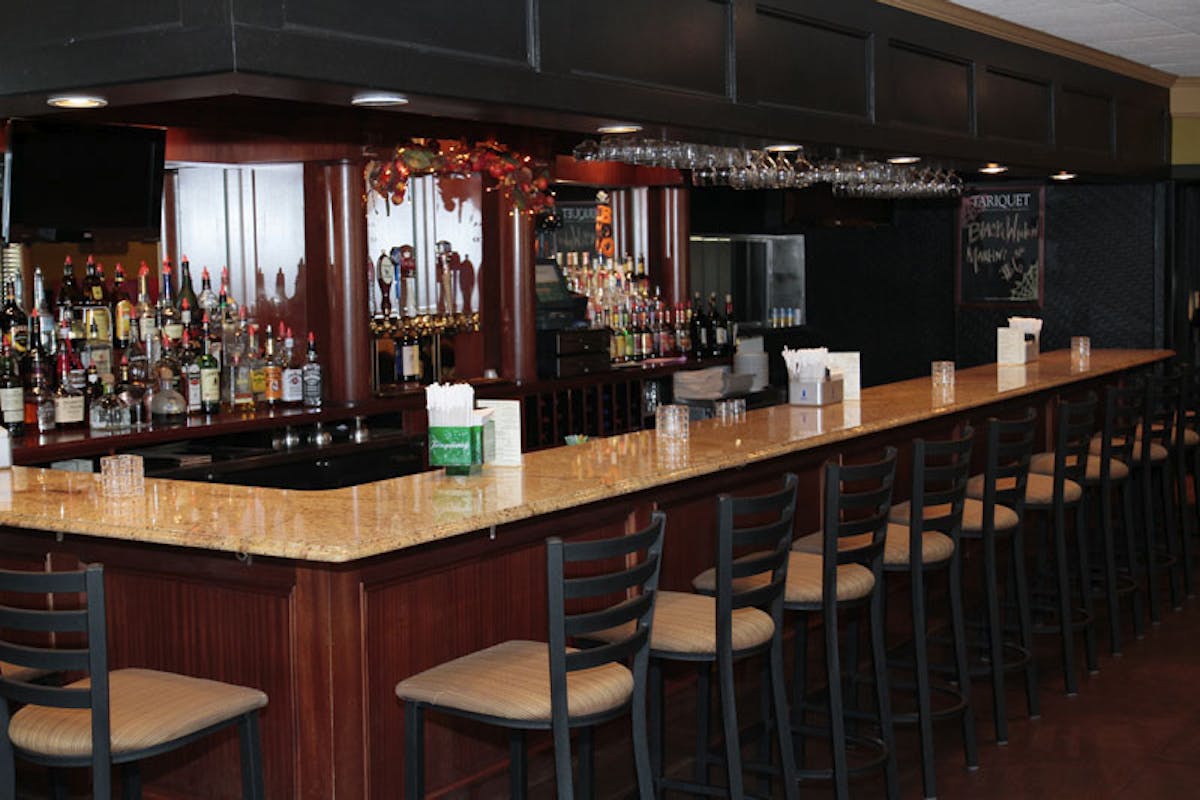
{"x":326,"y":599}
{"x":385,"y":516}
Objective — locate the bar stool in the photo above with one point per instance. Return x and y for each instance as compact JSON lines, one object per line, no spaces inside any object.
{"x":522,"y":685}
{"x":107,"y":718}
{"x":1105,"y":472}
{"x":1160,"y":406}
{"x":846,"y":574}
{"x":739,"y":613}
{"x":930,"y":543}
{"x":997,"y":515}
{"x":1049,"y":496}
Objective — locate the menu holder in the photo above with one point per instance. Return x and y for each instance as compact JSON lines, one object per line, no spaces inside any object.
{"x":1013,"y":348}
{"x":815,"y":393}
{"x":459,"y":449}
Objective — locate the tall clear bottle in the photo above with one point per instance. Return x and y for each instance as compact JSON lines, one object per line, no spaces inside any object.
{"x":40,"y":307}
{"x":207,"y":299}
{"x":168,"y":313}
{"x":147,"y":314}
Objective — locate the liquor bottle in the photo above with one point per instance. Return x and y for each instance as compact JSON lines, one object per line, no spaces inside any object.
{"x":254,"y":359}
{"x":132,"y":390}
{"x":683,"y":334}
{"x":122,"y":309}
{"x":167,"y":406}
{"x":136,"y":355}
{"x":700,"y":329}
{"x":12,"y":390}
{"x":225,"y":299}
{"x":189,"y":319}
{"x":69,"y":295}
{"x":186,"y":291}
{"x":68,"y":401}
{"x":97,"y":352}
{"x":207,"y":299}
{"x":647,"y":336}
{"x":730,"y":326}
{"x":210,"y":380}
{"x":13,"y":320}
{"x":167,"y":368}
{"x":168,"y":314}
{"x":147,"y":315}
{"x":109,"y":412}
{"x":310,"y":375}
{"x":76,"y":373}
{"x":40,"y":307}
{"x":241,"y":394}
{"x":410,"y":356}
{"x":272,"y":374}
{"x":717,"y":332}
{"x":39,"y":377}
{"x":95,"y":305}
{"x":293,"y":382}
{"x":190,"y":378}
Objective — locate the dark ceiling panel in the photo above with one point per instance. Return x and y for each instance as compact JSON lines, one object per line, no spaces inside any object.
{"x":1015,"y":107}
{"x":804,"y":63}
{"x":928,"y":88}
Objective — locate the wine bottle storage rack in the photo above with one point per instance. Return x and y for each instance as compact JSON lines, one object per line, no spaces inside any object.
{"x":598,"y":409}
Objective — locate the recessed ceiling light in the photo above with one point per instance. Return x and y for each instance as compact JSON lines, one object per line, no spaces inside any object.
{"x":992,"y":168}
{"x":378,"y":99}
{"x":77,"y":101}
{"x":904,"y":159}
{"x":1062,"y":175}
{"x":619,"y":127}
{"x":782,"y":147}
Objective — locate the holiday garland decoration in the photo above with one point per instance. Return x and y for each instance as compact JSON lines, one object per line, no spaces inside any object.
{"x":523,"y":181}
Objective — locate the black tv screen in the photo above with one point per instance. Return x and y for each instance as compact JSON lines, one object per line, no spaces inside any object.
{"x":66,"y":182}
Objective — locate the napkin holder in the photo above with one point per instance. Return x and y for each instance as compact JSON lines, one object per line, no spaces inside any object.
{"x":460,"y":449}
{"x":1013,"y":348}
{"x":815,"y":393}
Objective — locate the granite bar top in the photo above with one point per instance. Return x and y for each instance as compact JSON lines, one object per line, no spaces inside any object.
{"x":341,"y":525}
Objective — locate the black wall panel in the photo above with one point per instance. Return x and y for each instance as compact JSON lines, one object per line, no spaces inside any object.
{"x":804,"y":63}
{"x":1141,"y":131}
{"x":1085,"y":121}
{"x":498,"y":28}
{"x":672,"y":43}
{"x":929,"y":89}
{"x":1101,"y":274}
{"x":1015,"y":107}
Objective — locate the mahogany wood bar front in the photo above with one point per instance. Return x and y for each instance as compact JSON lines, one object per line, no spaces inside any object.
{"x":325,"y":599}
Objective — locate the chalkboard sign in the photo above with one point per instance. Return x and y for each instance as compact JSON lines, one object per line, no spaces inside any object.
{"x":1001,"y":247}
{"x":578,"y":231}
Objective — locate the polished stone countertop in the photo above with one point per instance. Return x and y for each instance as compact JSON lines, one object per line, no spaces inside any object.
{"x":340,"y":525}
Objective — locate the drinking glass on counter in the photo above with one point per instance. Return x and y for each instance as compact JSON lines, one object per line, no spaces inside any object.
{"x":671,"y":421}
{"x":1081,"y":352}
{"x":121,"y":475}
{"x":943,"y":373}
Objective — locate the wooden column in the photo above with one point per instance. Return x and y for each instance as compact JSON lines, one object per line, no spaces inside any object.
{"x":674,"y":215}
{"x":518,"y":356}
{"x":336,"y":248}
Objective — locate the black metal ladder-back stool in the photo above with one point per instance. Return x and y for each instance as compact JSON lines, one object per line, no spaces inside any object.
{"x":737,"y":613}
{"x":1108,"y":469}
{"x":1187,"y":463}
{"x":1050,"y":496}
{"x":108,"y":718}
{"x":524,"y":685}
{"x":990,"y":514}
{"x":929,"y":543}
{"x":1153,"y":467}
{"x":846,"y":574}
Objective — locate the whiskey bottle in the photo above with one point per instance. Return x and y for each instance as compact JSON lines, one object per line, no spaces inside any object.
{"x":310,"y":375}
{"x":210,"y":380}
{"x":122,"y":309}
{"x":96,"y":301}
{"x":68,"y":401}
{"x":272,"y":371}
{"x":190,"y":373}
{"x":168,"y":314}
{"x":13,"y":321}
{"x":70,"y":297}
{"x":12,"y":391}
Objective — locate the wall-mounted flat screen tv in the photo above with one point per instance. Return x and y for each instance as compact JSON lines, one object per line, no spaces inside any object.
{"x":68,"y":182}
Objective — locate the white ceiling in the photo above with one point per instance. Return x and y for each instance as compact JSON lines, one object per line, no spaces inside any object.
{"x":1164,"y":34}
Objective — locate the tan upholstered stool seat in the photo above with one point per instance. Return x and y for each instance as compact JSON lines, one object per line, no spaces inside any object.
{"x":687,"y":623}
{"x":147,"y":708}
{"x":512,"y":680}
{"x":935,"y":546}
{"x":972,"y":520}
{"x":23,"y":674}
{"x":1157,"y":451}
{"x":1039,"y":489}
{"x":1190,"y":437}
{"x":1043,"y":464}
{"x":804,"y":580}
